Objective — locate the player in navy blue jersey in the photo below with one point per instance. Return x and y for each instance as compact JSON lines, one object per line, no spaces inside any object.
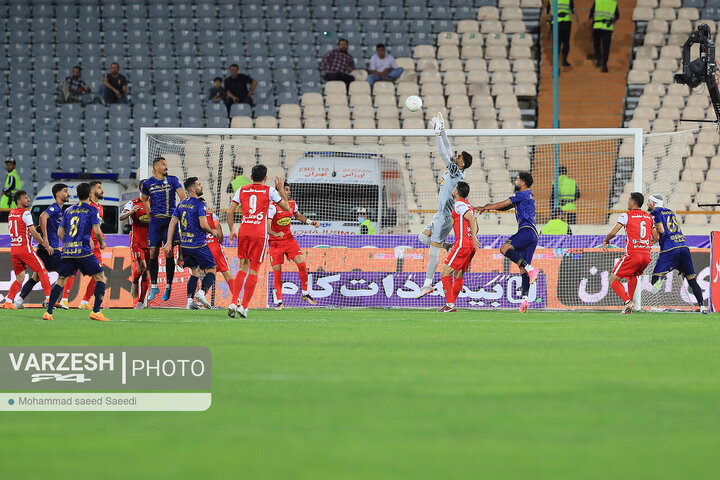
{"x":77,"y":254}
{"x":49,"y":223}
{"x":191,"y":217}
{"x":674,"y":251}
{"x":520,"y":247}
{"x":158,"y":197}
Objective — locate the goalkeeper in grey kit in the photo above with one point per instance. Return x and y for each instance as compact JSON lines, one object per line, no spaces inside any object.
{"x":440,"y":227}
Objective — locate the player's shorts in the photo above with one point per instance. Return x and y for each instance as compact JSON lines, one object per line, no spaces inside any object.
{"x":23,"y":260}
{"x":219,"y":256}
{"x":251,"y":248}
{"x":676,"y":259}
{"x":89,"y":266}
{"x":631,"y":265}
{"x":440,"y":227}
{"x":200,"y":257}
{"x":524,"y":242}
{"x":98,"y":254}
{"x":157,"y":232}
{"x":140,"y":253}
{"x":459,"y":258}
{"x":51,"y":262}
{"x":281,"y":249}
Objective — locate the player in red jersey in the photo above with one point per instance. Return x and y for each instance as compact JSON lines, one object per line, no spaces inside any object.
{"x":638,"y":229}
{"x":135,"y":210}
{"x":282,"y":244}
{"x":22,"y":255}
{"x":254,"y":200}
{"x":96,"y":194}
{"x":462,"y":252}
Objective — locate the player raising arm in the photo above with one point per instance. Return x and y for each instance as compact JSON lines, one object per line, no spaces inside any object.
{"x":158,"y":197}
{"x":460,"y":256}
{"x":638,"y":229}
{"x":255,"y":201}
{"x":439,"y":228}
{"x":49,"y":223}
{"x":282,"y":244}
{"x":190,"y":214}
{"x":135,"y":210}
{"x":21,"y":228}
{"x":520,"y":247}
{"x":674,"y":252}
{"x":74,"y":231}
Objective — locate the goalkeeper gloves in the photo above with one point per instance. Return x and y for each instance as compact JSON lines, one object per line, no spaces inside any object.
{"x":438,"y":124}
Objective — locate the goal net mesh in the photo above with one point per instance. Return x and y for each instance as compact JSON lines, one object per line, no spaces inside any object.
{"x":392,"y":178}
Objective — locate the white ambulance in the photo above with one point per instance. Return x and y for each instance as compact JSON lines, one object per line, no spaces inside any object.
{"x":331,"y":187}
{"x":117,"y":193}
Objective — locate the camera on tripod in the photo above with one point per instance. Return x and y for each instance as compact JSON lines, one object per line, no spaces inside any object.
{"x":702,"y":69}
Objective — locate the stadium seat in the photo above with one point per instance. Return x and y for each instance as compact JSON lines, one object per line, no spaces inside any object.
{"x":423,"y":51}
{"x":360,"y":99}
{"x":488,"y":13}
{"x":241,"y":121}
{"x":240,"y":109}
{"x":313,"y":110}
{"x":266,"y":121}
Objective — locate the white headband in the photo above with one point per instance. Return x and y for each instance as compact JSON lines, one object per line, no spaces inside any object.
{"x":656,"y":201}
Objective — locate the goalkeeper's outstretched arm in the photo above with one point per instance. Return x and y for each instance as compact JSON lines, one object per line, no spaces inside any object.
{"x":444,"y":148}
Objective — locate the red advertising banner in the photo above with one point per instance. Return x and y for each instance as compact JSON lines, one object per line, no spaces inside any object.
{"x":714,"y":271}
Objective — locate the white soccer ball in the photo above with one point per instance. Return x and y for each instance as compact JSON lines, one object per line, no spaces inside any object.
{"x":413,"y":103}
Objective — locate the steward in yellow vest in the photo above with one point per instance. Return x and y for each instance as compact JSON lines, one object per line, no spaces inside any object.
{"x":366,"y":226}
{"x":565,"y":9}
{"x":239,"y":180}
{"x":604,"y":14}
{"x":568,"y":192}
{"x":556,"y":226}
{"x":12,"y":185}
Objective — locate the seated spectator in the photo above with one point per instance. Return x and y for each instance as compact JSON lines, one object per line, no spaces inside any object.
{"x":337,"y":64}
{"x":383,"y":67}
{"x":114,"y":89}
{"x":236,"y":88}
{"x":217,"y":92}
{"x":74,"y":89}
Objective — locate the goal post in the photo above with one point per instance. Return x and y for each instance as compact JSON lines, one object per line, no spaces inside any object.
{"x":391,"y":177}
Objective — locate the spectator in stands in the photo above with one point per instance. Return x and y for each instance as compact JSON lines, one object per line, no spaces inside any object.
{"x":568,"y":192}
{"x":604,"y":14}
{"x":114,"y":89}
{"x":564,"y":10}
{"x":236,"y":87}
{"x":239,"y":180}
{"x":558,"y":225}
{"x":383,"y":67}
{"x":74,"y":89}
{"x":12,"y":185}
{"x":337,"y":64}
{"x":217,"y":92}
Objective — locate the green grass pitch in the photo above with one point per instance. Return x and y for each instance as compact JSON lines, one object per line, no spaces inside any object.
{"x":394,"y":394}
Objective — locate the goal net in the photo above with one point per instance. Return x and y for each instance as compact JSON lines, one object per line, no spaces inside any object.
{"x":392,"y":177}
